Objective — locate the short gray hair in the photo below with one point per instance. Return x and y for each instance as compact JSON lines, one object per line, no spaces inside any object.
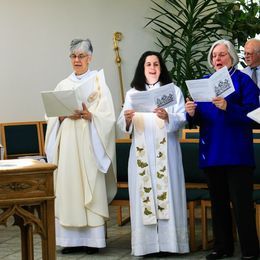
{"x":231,"y":50}
{"x":81,"y":45}
{"x":255,"y":43}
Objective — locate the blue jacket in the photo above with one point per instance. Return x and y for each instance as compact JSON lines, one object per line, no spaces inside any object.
{"x":226,"y":136}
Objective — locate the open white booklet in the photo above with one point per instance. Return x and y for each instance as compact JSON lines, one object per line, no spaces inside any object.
{"x":255,"y":115}
{"x":65,"y":102}
{"x":147,"y":101}
{"x":218,"y":84}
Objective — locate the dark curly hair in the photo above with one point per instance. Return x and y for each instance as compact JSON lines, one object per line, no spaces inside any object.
{"x":139,"y":81}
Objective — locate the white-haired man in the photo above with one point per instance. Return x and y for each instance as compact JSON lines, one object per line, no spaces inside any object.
{"x":252,"y":59}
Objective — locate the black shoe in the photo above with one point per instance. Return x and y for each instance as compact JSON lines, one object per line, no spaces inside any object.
{"x":73,"y":249}
{"x":218,"y":255}
{"x":253,"y":257}
{"x":164,"y":254}
{"x":91,"y":250}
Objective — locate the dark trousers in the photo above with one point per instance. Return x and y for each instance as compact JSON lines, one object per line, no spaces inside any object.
{"x":233,"y":184}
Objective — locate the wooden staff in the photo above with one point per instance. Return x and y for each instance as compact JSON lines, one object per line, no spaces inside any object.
{"x":118,"y":37}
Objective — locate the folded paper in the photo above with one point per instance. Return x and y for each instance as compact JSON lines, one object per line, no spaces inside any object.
{"x":65,"y":102}
{"x":147,"y":101}
{"x":218,"y":85}
{"x":255,"y":115}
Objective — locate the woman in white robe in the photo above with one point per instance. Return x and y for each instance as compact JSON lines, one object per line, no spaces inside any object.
{"x":155,"y":163}
{"x":82,"y":146}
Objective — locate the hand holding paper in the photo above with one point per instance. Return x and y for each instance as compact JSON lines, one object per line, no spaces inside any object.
{"x":190,"y":107}
{"x":147,"y":101}
{"x":220,"y":103}
{"x":60,"y":103}
{"x":218,"y":85}
{"x":66,"y":102}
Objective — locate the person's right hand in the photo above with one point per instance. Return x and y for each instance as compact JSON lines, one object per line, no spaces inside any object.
{"x":76,"y":115}
{"x":129,"y":116}
{"x":190,"y":107}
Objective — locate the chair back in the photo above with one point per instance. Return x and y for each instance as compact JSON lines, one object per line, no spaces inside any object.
{"x":21,"y":139}
{"x":122,"y":155}
{"x":190,"y":135}
{"x":43,"y":128}
{"x":256,"y":136}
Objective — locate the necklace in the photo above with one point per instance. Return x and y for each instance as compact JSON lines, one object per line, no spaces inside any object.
{"x":151,"y":85}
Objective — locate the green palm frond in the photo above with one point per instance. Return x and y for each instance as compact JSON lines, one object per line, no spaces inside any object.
{"x":186,"y":29}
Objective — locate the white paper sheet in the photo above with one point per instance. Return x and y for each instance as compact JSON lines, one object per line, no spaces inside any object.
{"x":65,"y":102}
{"x":218,"y":85}
{"x":60,"y":103}
{"x":255,"y":115}
{"x":147,"y":101}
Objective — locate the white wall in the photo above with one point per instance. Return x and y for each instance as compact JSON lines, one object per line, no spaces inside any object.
{"x":34,"y":43}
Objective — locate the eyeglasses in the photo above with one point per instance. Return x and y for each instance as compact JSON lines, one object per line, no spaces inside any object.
{"x":221,"y":55}
{"x":80,"y":56}
{"x":248,"y":53}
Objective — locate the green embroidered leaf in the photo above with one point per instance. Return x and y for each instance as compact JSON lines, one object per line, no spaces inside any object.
{"x":141,"y":164}
{"x":147,"y":212}
{"x":159,"y":175}
{"x":162,"y":197}
{"x":160,"y":155}
{"x":160,"y":208}
{"x":146,"y":200}
{"x":163,"y":169}
{"x":139,"y":149}
{"x":147,"y":190}
{"x":163,"y":141}
{"x":142,"y":173}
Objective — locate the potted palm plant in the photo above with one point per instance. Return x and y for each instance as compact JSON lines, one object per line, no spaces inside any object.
{"x":240,"y":22}
{"x":186,"y":29}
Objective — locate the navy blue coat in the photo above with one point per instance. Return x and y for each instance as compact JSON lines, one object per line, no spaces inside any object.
{"x":226,"y":137}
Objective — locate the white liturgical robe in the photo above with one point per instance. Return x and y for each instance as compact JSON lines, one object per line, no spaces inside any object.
{"x":85,"y":180}
{"x":169,"y":232}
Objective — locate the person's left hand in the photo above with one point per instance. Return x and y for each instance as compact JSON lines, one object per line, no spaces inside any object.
{"x":161,"y":113}
{"x":85,"y":114}
{"x":220,"y":103}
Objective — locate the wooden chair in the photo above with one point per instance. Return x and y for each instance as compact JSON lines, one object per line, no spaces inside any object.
{"x":193,"y":198}
{"x":21,"y":139}
{"x":190,"y":135}
{"x":121,"y":199}
{"x":256,"y":136}
{"x":195,"y":180}
{"x":43,"y":128}
{"x":256,"y":197}
{"x":206,"y":241}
